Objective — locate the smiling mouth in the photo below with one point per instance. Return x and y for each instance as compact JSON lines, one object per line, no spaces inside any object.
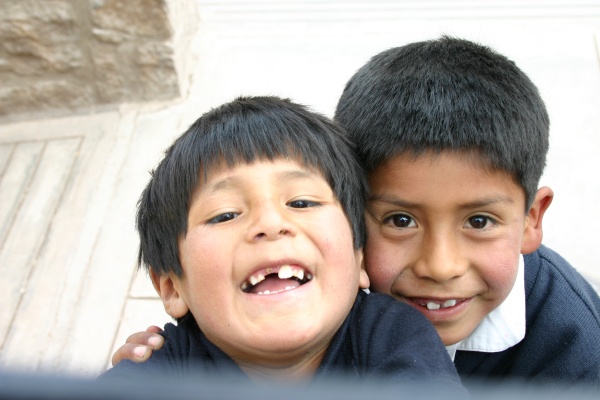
{"x":275,"y":280}
{"x":435,"y":304}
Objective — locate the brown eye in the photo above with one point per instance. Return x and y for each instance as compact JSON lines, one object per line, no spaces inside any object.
{"x":302,"y":204}
{"x":223,"y":217}
{"x":479,"y":222}
{"x":400,"y":221}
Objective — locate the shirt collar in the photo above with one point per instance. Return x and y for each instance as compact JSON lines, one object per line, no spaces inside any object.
{"x":503,"y":327}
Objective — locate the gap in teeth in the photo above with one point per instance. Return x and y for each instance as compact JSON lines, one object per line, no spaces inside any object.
{"x":285,"y":271}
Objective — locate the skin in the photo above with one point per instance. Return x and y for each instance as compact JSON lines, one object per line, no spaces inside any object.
{"x":445,"y":230}
{"x":432,"y":241}
{"x":243,"y":220}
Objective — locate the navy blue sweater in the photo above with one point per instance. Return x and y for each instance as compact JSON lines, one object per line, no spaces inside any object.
{"x":562,"y":339}
{"x":381,"y":337}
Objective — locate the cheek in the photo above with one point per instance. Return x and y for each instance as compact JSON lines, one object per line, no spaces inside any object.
{"x":335,"y":243}
{"x":203,"y":260}
{"x":340,"y":241}
{"x":383,"y":263}
{"x":500,"y":271}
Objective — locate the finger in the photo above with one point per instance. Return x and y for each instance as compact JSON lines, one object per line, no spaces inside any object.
{"x":131,"y":351}
{"x":152,"y":340}
{"x":154,"y":329}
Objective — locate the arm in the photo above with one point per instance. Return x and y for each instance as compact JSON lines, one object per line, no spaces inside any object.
{"x":139,"y":346}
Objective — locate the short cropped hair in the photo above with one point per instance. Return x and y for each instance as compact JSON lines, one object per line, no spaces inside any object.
{"x":447,"y":94}
{"x":245,"y":130}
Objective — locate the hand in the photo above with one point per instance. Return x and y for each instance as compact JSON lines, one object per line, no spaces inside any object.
{"x":138,"y":347}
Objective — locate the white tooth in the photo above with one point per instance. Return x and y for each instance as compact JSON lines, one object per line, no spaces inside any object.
{"x":289,"y":287}
{"x":285,"y":272}
{"x":253,"y":280}
{"x":266,"y":292}
{"x":300,"y":274}
{"x":449,"y":303}
{"x":433,"y":306}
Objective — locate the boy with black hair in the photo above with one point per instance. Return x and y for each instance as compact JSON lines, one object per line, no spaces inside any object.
{"x":252,"y":229}
{"x":454,"y":138}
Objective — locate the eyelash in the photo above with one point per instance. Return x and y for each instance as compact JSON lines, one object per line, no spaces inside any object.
{"x":228,"y":216}
{"x":403,"y":221}
{"x":392,"y":219}
{"x":487,"y":221}
{"x":303,"y":203}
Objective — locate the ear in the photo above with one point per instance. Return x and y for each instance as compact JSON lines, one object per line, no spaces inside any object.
{"x":363,"y":278}
{"x":533,"y":234}
{"x":168,"y":288}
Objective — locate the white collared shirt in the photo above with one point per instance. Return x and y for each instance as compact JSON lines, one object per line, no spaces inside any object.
{"x":503,"y":327}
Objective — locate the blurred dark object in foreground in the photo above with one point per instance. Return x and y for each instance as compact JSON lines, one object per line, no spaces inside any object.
{"x":17,"y":386}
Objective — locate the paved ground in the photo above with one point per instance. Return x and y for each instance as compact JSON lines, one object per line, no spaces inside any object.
{"x":69,"y":291}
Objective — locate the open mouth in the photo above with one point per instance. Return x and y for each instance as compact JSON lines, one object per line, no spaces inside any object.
{"x":274,"y":280}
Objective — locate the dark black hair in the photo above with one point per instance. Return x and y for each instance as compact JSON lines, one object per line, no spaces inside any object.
{"x":243,"y":131}
{"x":447,"y":94}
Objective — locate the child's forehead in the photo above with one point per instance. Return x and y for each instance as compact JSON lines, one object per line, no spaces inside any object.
{"x":409,"y":171}
{"x":222,"y":168}
{"x":468,"y":158}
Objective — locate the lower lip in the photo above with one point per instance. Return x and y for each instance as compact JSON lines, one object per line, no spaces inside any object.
{"x":443,"y":314}
{"x":277,"y":296}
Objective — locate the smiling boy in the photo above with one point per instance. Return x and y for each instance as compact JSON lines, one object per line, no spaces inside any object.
{"x":252,"y":229}
{"x":454,"y":139}
{"x":256,"y":278}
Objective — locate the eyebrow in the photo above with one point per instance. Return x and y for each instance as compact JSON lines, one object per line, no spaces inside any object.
{"x":222,"y":184}
{"x":297,"y":175}
{"x":229,"y":182}
{"x":483,"y":202}
{"x":391,"y":200}
{"x":488,"y":201}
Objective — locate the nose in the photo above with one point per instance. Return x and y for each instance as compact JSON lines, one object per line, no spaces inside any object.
{"x":269,"y":221}
{"x":440,"y":258}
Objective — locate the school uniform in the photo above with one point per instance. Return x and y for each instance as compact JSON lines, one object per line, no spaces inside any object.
{"x":380,"y":338}
{"x":548,"y":329}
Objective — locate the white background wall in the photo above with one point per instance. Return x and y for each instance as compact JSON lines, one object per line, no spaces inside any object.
{"x":306,"y":50}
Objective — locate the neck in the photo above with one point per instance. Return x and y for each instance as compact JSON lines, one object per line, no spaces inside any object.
{"x":302,"y":370}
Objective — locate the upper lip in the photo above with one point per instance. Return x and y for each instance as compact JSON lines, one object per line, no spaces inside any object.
{"x":288,"y":267}
{"x":419,"y":299}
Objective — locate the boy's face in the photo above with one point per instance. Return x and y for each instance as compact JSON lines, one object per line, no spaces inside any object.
{"x":444,"y":235}
{"x":269,"y":267}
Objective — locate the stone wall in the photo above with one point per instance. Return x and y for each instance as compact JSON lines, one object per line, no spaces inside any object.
{"x":65,"y":55}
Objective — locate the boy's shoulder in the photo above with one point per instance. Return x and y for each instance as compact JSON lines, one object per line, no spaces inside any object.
{"x":550,"y":280}
{"x":388,"y":338}
{"x":380,"y":308}
{"x":563,"y":319}
{"x":562,"y":339}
